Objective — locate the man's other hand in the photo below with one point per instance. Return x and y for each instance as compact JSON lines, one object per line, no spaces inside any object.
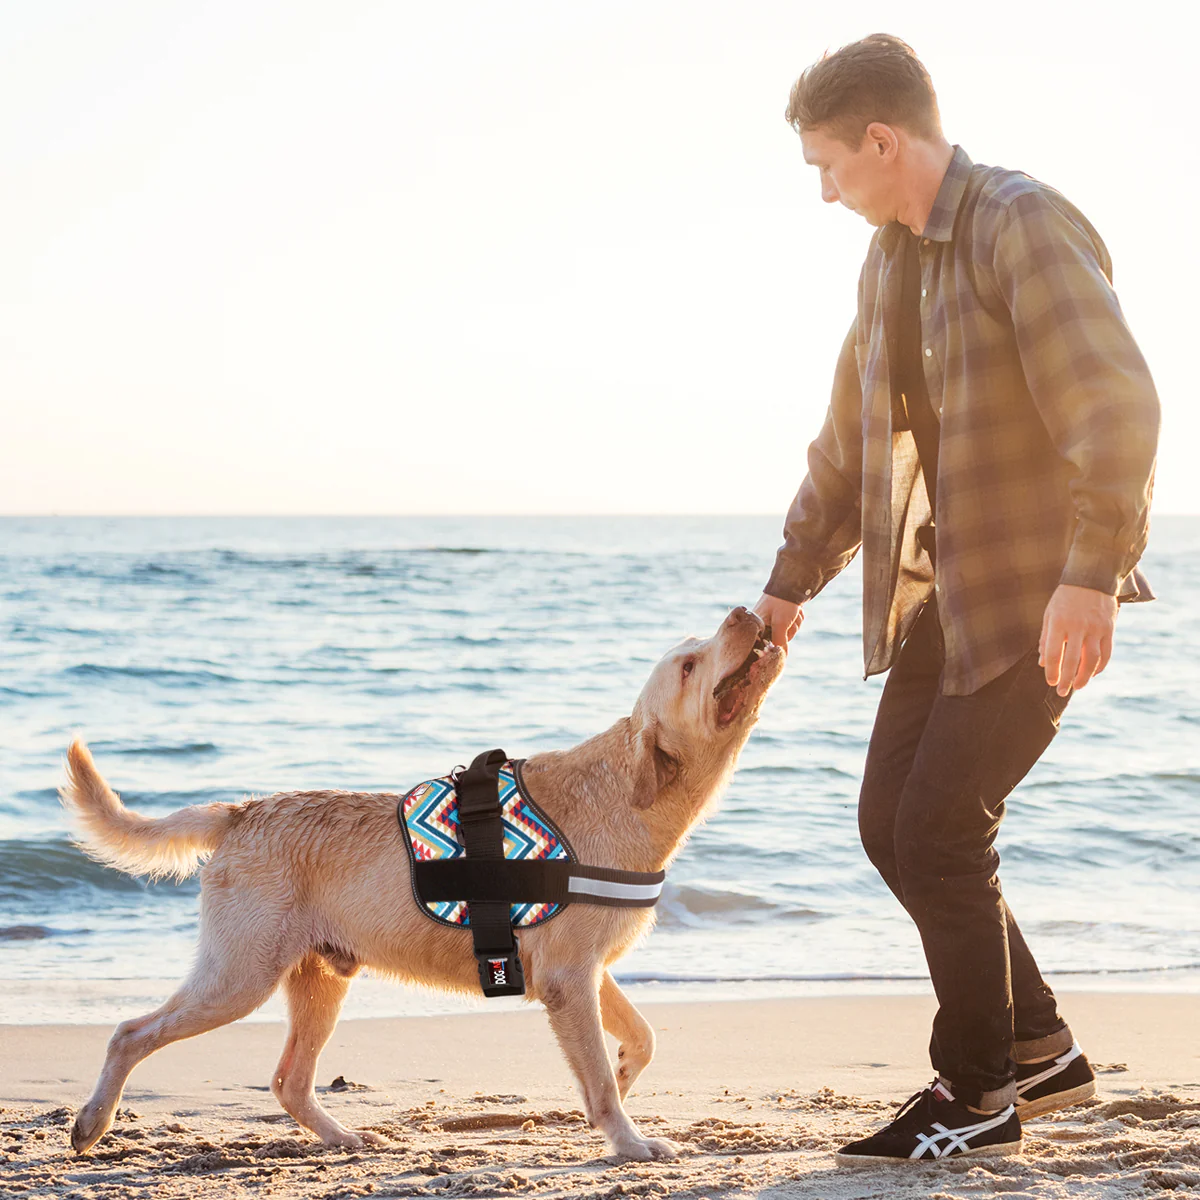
{"x":782,"y":617}
{"x":1077,"y":636}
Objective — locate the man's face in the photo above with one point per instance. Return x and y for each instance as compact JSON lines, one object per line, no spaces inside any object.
{"x":864,"y":180}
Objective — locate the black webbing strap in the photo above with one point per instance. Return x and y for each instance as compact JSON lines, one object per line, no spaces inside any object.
{"x":482,"y":827}
{"x":914,"y":392}
{"x":535,"y":881}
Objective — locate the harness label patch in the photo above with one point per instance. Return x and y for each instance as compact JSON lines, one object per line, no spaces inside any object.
{"x":430,"y":815}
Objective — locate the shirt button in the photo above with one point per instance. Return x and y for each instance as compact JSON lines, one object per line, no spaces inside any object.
{"x":807,"y":593}
{"x":926,"y":241}
{"x":928,"y":352}
{"x":924,"y":292}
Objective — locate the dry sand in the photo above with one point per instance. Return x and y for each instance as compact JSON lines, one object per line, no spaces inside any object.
{"x":759,"y":1093}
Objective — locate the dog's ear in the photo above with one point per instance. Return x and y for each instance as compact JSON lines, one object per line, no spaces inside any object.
{"x":654,"y":768}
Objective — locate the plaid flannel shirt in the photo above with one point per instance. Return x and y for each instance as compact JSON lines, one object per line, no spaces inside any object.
{"x":1049,"y":427}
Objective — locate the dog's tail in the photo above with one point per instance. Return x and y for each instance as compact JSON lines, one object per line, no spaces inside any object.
{"x":108,"y":832}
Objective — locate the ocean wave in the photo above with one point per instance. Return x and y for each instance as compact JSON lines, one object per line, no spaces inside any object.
{"x":172,"y":800}
{"x":39,"y":796}
{"x":119,"y":570}
{"x":693,"y":906}
{"x":241,"y":558}
{"x":802,"y":770}
{"x":69,"y":570}
{"x":165,"y":675}
{"x":187,"y":750}
{"x":58,"y":865}
{"x":164,"y":570}
{"x":343,"y":563}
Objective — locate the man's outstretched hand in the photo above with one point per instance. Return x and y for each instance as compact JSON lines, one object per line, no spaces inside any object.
{"x":782,"y":618}
{"x":1077,"y":636}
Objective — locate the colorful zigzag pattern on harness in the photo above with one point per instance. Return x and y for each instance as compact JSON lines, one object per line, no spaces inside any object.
{"x":431,"y":822}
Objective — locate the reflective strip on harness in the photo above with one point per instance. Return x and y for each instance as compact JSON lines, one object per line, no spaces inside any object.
{"x":607,"y":891}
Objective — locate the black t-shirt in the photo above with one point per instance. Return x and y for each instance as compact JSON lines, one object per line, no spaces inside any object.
{"x":910,"y":374}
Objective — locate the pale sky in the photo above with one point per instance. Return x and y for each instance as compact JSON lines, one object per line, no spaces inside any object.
{"x":487,"y":256}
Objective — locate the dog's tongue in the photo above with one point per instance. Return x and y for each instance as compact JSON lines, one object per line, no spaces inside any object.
{"x":728,"y":703}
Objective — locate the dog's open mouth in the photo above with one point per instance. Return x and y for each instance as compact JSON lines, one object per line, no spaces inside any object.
{"x":731,"y":693}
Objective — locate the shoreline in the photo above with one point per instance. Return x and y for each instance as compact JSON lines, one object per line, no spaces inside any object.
{"x":758,"y":1092}
{"x":106,"y":1001}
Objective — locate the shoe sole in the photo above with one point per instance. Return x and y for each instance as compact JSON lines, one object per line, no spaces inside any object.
{"x":1056,"y":1100}
{"x":869,"y":1160}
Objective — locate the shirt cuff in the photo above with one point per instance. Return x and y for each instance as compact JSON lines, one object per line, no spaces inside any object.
{"x":794,"y":582}
{"x":1135,"y":589}
{"x":1099,"y":567}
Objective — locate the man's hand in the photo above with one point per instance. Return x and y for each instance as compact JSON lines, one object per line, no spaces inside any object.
{"x":1077,"y":636}
{"x":782,"y":618}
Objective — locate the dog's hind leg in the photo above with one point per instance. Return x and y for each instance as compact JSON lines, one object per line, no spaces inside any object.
{"x":632,"y":1031}
{"x":214,"y":994}
{"x":314,"y":996}
{"x":571,"y":997}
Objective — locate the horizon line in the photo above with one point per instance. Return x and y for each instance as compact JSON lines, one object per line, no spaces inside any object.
{"x":4,"y":516}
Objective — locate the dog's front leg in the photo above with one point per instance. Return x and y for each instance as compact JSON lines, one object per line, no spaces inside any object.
{"x":633,"y":1033}
{"x":572,"y":999}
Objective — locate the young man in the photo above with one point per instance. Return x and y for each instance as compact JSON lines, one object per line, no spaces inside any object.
{"x":990,"y":445}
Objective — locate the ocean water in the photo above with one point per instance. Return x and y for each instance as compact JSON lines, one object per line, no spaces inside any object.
{"x":210,"y":658}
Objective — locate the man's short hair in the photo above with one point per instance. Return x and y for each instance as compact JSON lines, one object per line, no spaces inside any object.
{"x":876,"y":79}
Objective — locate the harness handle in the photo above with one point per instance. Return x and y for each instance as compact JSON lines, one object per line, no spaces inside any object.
{"x":497,"y":951}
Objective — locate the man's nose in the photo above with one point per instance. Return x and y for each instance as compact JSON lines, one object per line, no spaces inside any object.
{"x":829,"y":193}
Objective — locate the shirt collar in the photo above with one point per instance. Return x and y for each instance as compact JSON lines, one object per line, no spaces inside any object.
{"x":940,"y":225}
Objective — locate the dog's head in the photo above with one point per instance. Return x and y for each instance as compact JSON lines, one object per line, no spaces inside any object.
{"x":699,"y":705}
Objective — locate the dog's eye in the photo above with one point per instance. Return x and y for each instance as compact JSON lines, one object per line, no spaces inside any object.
{"x":688,"y":667}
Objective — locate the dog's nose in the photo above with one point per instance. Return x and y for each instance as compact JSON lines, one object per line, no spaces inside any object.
{"x":741,"y":615}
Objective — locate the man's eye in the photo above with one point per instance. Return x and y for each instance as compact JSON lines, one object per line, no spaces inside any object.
{"x":688,"y":668}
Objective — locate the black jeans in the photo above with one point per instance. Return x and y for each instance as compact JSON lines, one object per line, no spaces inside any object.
{"x":937,"y":774}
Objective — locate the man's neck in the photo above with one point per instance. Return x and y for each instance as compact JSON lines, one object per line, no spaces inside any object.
{"x":927,"y":163}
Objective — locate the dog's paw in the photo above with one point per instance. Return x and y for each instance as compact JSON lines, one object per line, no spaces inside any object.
{"x":343,"y":1139}
{"x":646,"y":1149}
{"x":90,"y":1126}
{"x":347,"y":1139}
{"x":662,"y":1148}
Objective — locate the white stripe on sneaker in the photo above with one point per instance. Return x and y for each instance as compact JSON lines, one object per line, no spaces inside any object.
{"x":956,"y":1139}
{"x":1060,"y":1064}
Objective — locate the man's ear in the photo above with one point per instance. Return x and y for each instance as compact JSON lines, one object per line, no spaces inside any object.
{"x":654,"y":768}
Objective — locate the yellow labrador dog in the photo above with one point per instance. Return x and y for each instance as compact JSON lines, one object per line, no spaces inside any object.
{"x":304,"y":888}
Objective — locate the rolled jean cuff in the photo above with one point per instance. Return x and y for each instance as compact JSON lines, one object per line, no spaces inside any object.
{"x":1044,"y":1047}
{"x":988,"y":1101}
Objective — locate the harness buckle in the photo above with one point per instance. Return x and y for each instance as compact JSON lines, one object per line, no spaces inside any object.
{"x":500,"y":972}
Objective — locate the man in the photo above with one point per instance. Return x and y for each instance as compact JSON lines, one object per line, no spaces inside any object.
{"x":990,"y":445}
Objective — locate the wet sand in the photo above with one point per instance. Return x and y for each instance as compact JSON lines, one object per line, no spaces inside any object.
{"x":758,"y":1094}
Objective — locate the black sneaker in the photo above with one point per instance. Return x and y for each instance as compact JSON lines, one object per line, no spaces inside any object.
{"x":1056,"y":1083}
{"x":933,"y":1125}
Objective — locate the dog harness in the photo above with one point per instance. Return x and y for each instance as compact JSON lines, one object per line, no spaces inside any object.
{"x":484,"y":856}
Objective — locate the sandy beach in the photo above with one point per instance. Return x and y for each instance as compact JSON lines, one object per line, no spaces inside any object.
{"x":758,"y":1093}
